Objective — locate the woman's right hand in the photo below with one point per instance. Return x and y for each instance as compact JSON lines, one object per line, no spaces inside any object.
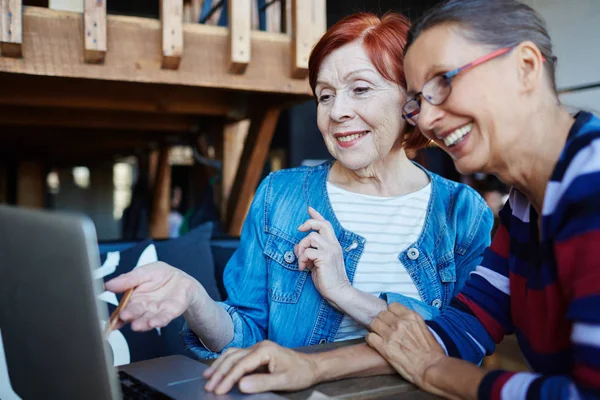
{"x":162,"y":293}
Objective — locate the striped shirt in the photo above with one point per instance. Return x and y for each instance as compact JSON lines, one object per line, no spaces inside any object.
{"x":543,"y":286}
{"x":389,"y":225}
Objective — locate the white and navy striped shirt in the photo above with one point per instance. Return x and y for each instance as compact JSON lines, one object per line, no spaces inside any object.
{"x":389,"y":225}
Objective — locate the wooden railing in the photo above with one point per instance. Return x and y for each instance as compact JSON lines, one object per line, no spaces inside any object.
{"x":308,"y":24}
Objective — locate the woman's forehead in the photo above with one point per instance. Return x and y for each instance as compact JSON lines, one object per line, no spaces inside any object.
{"x":348,"y":60}
{"x":439,"y":48}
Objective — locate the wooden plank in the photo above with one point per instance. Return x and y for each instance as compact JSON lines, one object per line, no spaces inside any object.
{"x":234,"y":137}
{"x":256,"y":150}
{"x":138,"y":59}
{"x":302,"y":37}
{"x":11,"y":28}
{"x":171,"y":17}
{"x":63,"y":117}
{"x":161,"y":201}
{"x":240,"y":21}
{"x":31,"y":188}
{"x":94,"y":29}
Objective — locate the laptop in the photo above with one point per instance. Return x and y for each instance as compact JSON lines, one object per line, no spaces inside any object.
{"x":50,"y":320}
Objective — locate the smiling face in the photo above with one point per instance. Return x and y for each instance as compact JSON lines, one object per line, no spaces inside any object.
{"x":358,"y":110}
{"x":482,"y":116}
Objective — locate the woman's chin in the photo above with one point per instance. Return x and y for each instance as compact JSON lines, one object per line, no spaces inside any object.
{"x":354,"y":163}
{"x":468,"y":165}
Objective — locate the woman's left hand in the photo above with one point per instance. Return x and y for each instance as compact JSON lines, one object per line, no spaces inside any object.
{"x":322,"y":254}
{"x":401,"y":336}
{"x":263,"y":367}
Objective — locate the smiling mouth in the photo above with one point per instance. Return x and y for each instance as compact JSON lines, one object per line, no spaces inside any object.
{"x":350,"y":138}
{"x":458,"y":135}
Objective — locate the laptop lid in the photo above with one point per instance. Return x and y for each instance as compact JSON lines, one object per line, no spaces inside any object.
{"x":49,"y":316}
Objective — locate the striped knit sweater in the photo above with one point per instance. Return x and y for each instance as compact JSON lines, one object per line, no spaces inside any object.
{"x":542,"y":286}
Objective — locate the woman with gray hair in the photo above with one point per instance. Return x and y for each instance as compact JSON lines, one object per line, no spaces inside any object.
{"x":481,"y":85}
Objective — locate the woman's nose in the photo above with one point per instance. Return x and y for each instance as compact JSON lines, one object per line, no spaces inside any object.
{"x":342,"y":108}
{"x":429,"y":116}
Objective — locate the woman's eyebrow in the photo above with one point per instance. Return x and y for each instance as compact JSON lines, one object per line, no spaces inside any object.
{"x":352,"y":74}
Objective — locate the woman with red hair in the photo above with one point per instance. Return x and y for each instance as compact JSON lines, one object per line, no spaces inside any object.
{"x":324,"y":249}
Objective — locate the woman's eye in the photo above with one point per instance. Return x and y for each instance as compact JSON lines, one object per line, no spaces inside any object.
{"x":361,"y":90}
{"x":324,"y":97}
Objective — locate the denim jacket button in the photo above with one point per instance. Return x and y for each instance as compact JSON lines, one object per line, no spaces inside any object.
{"x":437,"y":303}
{"x":413,"y":253}
{"x":289,"y":257}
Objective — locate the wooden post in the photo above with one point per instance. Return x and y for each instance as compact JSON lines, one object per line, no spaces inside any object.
{"x":94,"y":29}
{"x":240,"y":26}
{"x":161,"y":197}
{"x":171,"y":17}
{"x":256,"y":150}
{"x":234,"y":137}
{"x":301,"y":37}
{"x":319,"y":20}
{"x":11,"y":28}
{"x":309,"y":23}
{"x":31,"y":188}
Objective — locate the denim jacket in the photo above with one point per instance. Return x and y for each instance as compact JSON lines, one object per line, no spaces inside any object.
{"x":270,"y":298}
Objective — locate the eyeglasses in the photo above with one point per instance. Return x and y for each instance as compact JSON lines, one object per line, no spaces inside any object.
{"x":437,"y":89}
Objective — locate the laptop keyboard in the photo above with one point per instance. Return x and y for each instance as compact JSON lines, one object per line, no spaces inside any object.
{"x":134,"y":389}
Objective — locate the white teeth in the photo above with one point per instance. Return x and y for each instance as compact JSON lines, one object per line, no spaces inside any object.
{"x":457,"y":135}
{"x":350,"y":138}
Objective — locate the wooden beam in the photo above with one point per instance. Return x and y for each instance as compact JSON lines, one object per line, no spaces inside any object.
{"x":301,"y":37}
{"x":234,"y":137}
{"x":31,"y":184}
{"x":161,"y":200}
{"x":34,"y":91}
{"x":135,"y":55}
{"x":63,"y":117}
{"x":11,"y":28}
{"x":94,"y":29}
{"x":256,"y":150}
{"x":240,"y":25}
{"x":171,"y":18}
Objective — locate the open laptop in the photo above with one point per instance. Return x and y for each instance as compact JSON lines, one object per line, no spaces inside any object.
{"x":50,"y":320}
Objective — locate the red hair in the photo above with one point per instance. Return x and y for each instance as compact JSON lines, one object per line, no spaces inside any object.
{"x":383,"y":39}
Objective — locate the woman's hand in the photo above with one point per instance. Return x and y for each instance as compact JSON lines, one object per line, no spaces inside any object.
{"x":404,"y":340}
{"x":162,"y":293}
{"x":285,"y":370}
{"x":322,"y":254}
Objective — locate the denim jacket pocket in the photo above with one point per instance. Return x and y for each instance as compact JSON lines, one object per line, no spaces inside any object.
{"x":447,"y":273}
{"x":285,"y":279}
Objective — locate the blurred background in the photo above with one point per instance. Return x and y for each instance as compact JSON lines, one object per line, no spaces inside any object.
{"x":111,"y":165}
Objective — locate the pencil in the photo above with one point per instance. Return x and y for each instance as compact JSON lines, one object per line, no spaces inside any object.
{"x":114,"y":317}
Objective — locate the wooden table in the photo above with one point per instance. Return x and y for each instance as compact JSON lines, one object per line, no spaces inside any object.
{"x":384,"y":387}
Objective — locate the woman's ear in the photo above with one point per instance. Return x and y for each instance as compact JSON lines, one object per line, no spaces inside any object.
{"x":530,"y":65}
